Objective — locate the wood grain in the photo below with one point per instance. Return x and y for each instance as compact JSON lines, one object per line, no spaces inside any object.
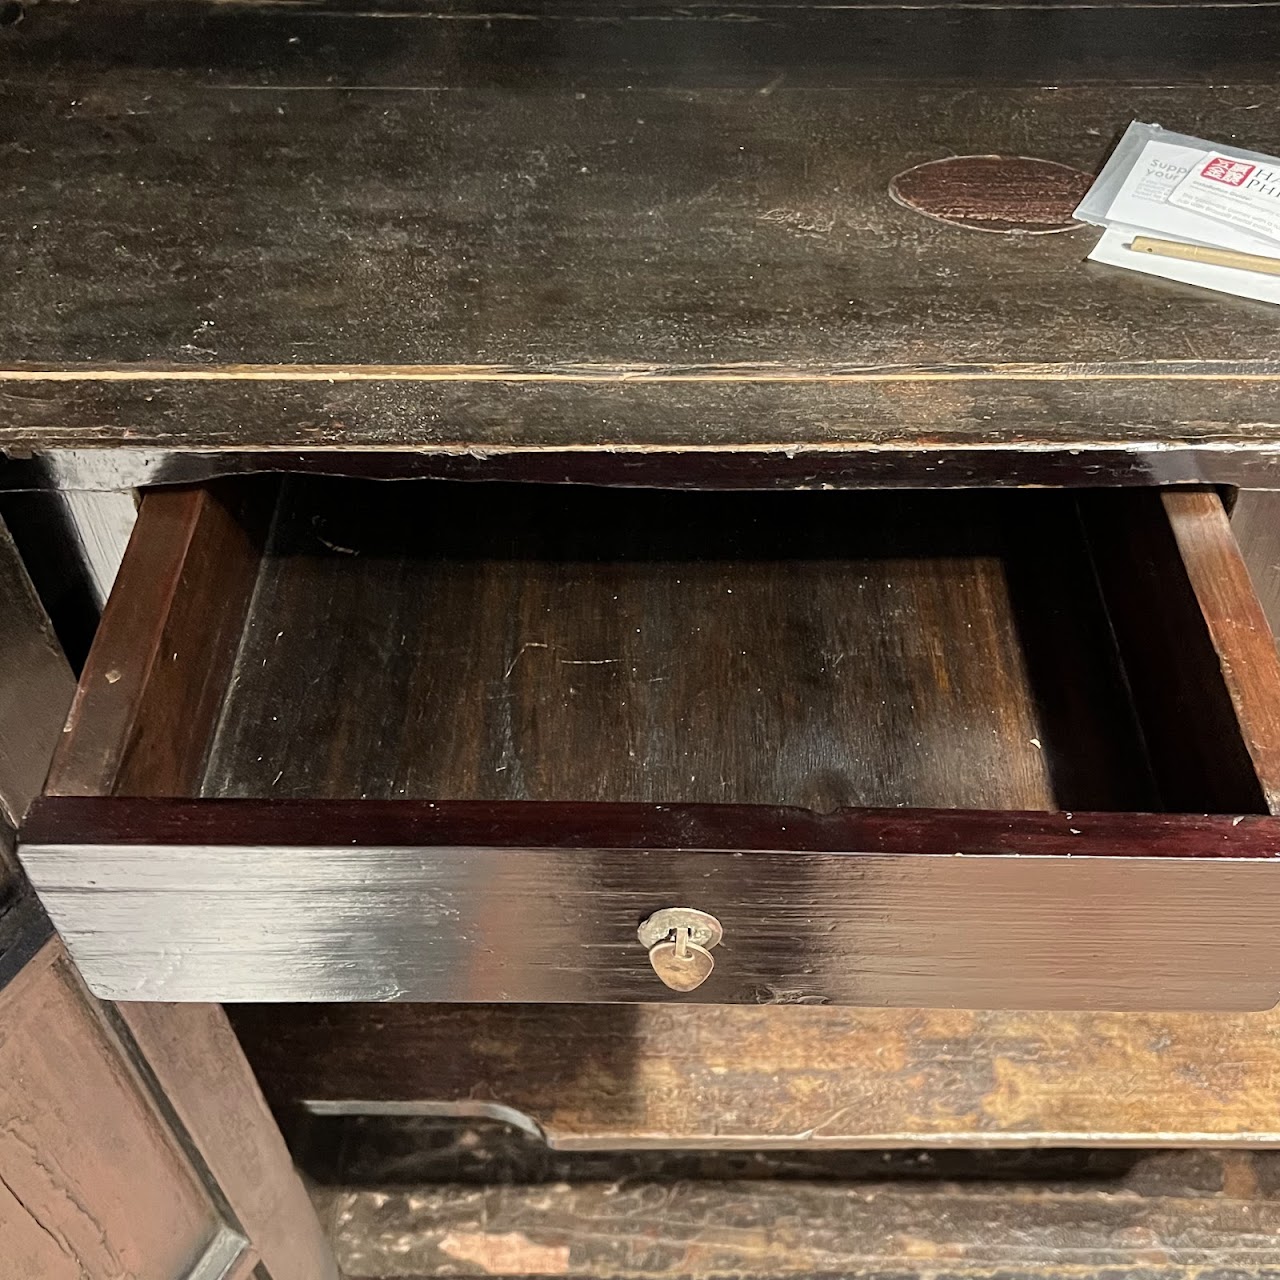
{"x":664,"y":1076}
{"x":1000,"y":194}
{"x":583,"y":232}
{"x":87,"y":1188}
{"x":191,"y":1053}
{"x":1150,"y":427}
{"x":1172,"y":664}
{"x":136,"y":1142}
{"x":155,"y":677}
{"x":506,"y":666}
{"x":819,"y":650}
{"x":432,"y":1196}
{"x":1255,"y":521}
{"x":1237,"y":624}
{"x":525,"y":689}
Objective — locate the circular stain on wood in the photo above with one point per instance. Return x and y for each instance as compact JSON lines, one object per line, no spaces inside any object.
{"x":1015,"y":195}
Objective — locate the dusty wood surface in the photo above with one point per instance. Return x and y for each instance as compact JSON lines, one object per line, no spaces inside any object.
{"x":557,"y":229}
{"x":616,"y":1077}
{"x":428,"y":1198}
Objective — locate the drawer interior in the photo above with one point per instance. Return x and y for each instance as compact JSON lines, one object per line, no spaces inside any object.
{"x":823,"y":650}
{"x":338,"y":638}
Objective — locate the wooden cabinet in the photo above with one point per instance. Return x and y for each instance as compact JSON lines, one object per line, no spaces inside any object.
{"x":345,"y":740}
{"x":342,"y":741}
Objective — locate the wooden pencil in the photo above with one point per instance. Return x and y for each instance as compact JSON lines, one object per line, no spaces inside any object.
{"x":1212,"y":257}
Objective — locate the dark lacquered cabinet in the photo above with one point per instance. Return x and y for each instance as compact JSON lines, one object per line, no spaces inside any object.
{"x":644,"y":505}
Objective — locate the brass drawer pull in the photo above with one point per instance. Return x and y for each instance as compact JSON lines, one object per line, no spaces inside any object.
{"x":679,"y":941}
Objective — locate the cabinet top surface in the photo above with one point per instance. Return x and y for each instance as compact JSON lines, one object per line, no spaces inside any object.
{"x":429,"y":227}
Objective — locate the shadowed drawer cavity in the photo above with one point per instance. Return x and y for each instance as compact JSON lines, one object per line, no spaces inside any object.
{"x":542,"y":643}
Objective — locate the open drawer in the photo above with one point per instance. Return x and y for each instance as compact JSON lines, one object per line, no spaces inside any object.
{"x":351,"y":740}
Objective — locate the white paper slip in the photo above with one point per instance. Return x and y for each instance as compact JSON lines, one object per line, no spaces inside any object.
{"x":1243,"y":195}
{"x":1155,"y":174}
{"x":1142,"y":200}
{"x":1113,"y":250}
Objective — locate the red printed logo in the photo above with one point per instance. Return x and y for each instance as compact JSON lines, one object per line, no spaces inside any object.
{"x":1231,"y":173}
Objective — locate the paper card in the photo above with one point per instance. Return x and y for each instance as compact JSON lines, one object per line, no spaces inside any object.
{"x":1143,"y":201}
{"x":1241,"y":194}
{"x":1113,"y":249}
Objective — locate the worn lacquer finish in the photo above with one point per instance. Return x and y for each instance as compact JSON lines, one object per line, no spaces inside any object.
{"x":434,"y":918}
{"x":680,"y":1075}
{"x":432,"y":1196}
{"x":1003,"y":195}
{"x":675,"y":466}
{"x":565,"y":230}
{"x":93,"y":1182}
{"x":134,"y":1141}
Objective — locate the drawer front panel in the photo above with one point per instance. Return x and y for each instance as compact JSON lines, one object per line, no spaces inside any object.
{"x":193,"y":922}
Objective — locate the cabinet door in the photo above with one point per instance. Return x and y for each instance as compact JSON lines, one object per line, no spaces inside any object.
{"x":134,"y":1141}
